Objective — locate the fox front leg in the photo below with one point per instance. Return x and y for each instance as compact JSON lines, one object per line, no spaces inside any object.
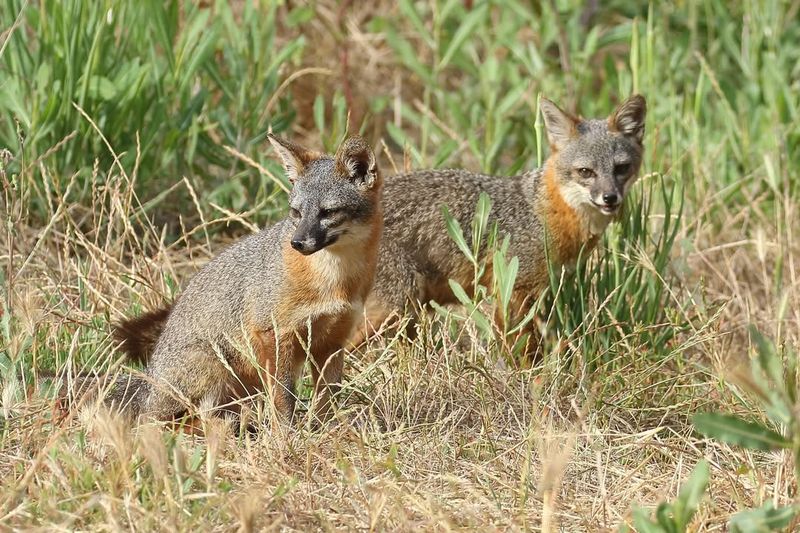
{"x":326,"y":372}
{"x":275,"y":370}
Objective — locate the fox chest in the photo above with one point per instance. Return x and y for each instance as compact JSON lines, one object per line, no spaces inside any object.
{"x":325,"y":307}
{"x":324,"y":292}
{"x":320,"y":314}
{"x":330,"y":328}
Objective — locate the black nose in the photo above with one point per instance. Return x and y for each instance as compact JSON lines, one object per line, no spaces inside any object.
{"x":610,"y":198}
{"x":297,"y":245}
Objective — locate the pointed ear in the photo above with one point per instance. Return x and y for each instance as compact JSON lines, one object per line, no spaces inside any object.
{"x":560,"y":125}
{"x":356,"y":162}
{"x":294,"y":157}
{"x":629,"y":117}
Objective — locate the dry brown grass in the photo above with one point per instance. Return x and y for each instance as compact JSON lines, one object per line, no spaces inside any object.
{"x":431,"y":434}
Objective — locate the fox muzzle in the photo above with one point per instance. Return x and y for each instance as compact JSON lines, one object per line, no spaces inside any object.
{"x":309,"y":240}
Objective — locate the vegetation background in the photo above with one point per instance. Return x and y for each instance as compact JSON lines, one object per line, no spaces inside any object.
{"x":132,"y":149}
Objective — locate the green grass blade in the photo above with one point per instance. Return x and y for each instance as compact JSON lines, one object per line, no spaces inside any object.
{"x":733,"y":430}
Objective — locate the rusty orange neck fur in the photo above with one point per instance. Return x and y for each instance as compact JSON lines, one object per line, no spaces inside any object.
{"x":332,"y":281}
{"x":568,"y":229}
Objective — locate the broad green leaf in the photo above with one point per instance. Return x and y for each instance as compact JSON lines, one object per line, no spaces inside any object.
{"x":778,"y":409}
{"x":734,"y":430}
{"x":408,"y":55}
{"x":448,"y":7}
{"x":505,"y":276}
{"x":516,"y":350}
{"x":480,"y":220}
{"x":690,"y":495}
{"x":765,"y":518}
{"x":791,"y":376}
{"x":513,"y":98}
{"x":511,"y":279}
{"x":673,"y":518}
{"x":444,"y":312}
{"x":5,"y":322}
{"x":300,"y":15}
{"x":666,"y":518}
{"x":524,"y":322}
{"x":768,"y":357}
{"x":101,"y":88}
{"x":483,"y":323}
{"x":399,"y":136}
{"x":445,"y":150}
{"x":455,"y":232}
{"x":465,"y":29}
{"x":643,"y":524}
{"x":460,"y":293}
{"x":409,"y":9}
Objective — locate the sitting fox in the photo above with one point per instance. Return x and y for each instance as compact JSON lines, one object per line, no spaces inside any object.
{"x":247,"y":319}
{"x":555,"y":210}
{"x":549,"y":213}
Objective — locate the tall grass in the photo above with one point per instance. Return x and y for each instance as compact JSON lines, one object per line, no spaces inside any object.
{"x":169,"y":85}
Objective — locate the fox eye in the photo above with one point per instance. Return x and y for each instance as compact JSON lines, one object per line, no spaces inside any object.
{"x":622,"y":169}
{"x":586,"y":172}
{"x":326,"y":213}
{"x":294,"y":213}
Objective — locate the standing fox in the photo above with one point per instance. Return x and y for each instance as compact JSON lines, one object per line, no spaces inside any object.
{"x":549,"y":213}
{"x":246,"y":321}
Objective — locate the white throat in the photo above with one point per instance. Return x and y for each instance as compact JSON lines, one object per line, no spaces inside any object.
{"x":592,"y":219}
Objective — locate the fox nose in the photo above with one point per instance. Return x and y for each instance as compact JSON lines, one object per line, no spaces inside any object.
{"x":306,"y":246}
{"x":610,"y":199}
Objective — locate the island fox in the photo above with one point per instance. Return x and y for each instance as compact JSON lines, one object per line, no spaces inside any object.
{"x":247,"y":319}
{"x":549,"y":213}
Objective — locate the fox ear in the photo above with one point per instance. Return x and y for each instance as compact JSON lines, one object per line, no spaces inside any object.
{"x":294,"y":157}
{"x":356,"y":162}
{"x":628,"y":119}
{"x":560,"y":125}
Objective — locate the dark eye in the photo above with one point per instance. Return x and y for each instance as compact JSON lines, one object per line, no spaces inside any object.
{"x":327,"y":213}
{"x":622,"y":169}
{"x":586,"y":172}
{"x":294,"y":213}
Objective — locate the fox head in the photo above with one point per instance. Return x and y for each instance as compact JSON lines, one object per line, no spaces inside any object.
{"x":333,"y":199}
{"x":596,"y":160}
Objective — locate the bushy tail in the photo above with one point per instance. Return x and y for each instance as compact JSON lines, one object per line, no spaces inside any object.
{"x":138,"y":335}
{"x":125,"y":393}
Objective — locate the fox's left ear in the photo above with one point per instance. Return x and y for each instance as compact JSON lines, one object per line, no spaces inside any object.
{"x":356,"y":162}
{"x":294,"y":157}
{"x":560,"y":125}
{"x":628,"y":119}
